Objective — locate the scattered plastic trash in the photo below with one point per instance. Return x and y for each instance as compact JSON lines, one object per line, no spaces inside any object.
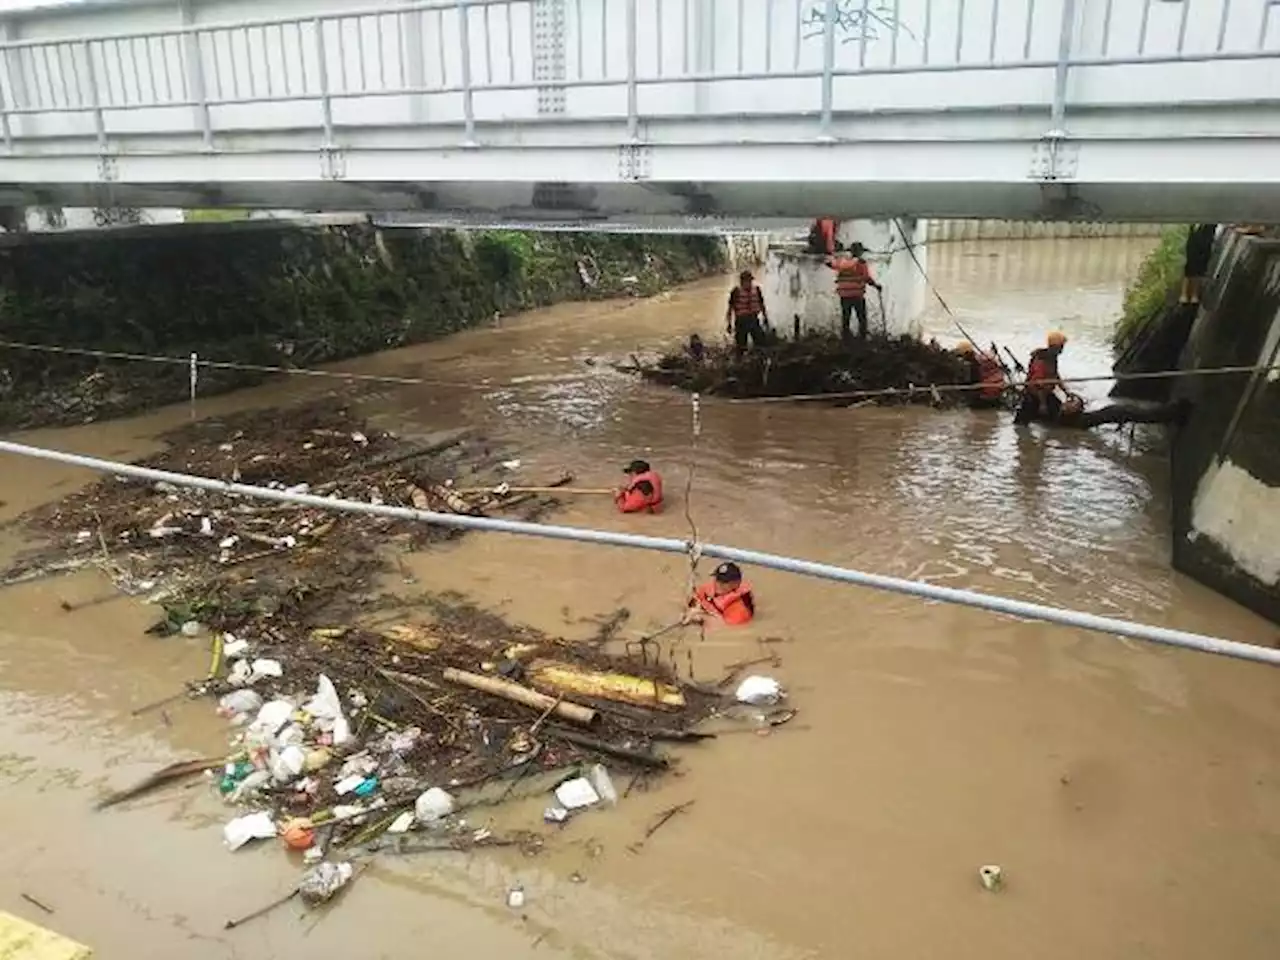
{"x":240,"y":701}
{"x":992,"y":876}
{"x":263,"y":667}
{"x":555,"y":815}
{"x":312,"y":855}
{"x":360,"y":438}
{"x":206,"y":527}
{"x":326,"y":707}
{"x":366,"y":787}
{"x":510,"y":464}
{"x":759,"y":691}
{"x":602,"y":784}
{"x":84,"y":536}
{"x":347,"y":784}
{"x":192,"y":628}
{"x":433,"y":805}
{"x":317,"y":759}
{"x":241,"y":674}
{"x":402,"y":823}
{"x":271,"y":718}
{"x":322,"y":881}
{"x":252,"y":826}
{"x":288,"y":764}
{"x":577,"y":793}
{"x":232,"y":646}
{"x":515,"y":896}
{"x":298,"y":834}
{"x":250,"y":785}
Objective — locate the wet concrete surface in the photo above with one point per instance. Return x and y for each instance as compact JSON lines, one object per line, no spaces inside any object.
{"x":1131,"y":794}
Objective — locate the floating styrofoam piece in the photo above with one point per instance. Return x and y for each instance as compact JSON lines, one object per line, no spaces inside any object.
{"x":433,"y":805}
{"x":577,"y":793}
{"x":759,"y":691}
{"x":252,"y":826}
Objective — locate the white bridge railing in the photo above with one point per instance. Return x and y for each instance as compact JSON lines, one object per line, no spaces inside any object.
{"x":142,"y":69}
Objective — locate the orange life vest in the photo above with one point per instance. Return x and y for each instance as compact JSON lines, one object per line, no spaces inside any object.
{"x":851,"y":278}
{"x":827,"y":229}
{"x":631,"y":500}
{"x":746,"y":302}
{"x":735,"y":607}
{"x":1041,"y":367}
{"x":991,"y":376}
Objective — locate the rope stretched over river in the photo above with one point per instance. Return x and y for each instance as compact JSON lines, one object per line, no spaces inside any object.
{"x":915,"y":588}
{"x":912,"y":390}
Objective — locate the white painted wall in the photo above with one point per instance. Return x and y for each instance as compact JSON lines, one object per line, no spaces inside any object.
{"x":1240,"y":514}
{"x":796,"y":283}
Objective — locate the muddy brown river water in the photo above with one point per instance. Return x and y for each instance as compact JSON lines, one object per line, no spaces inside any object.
{"x":1131,"y":794}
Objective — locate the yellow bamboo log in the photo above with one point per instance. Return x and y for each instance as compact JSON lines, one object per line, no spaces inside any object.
{"x":566,"y":678}
{"x":518,"y":694}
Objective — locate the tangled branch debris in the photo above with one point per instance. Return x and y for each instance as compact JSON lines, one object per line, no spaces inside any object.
{"x":815,"y":363}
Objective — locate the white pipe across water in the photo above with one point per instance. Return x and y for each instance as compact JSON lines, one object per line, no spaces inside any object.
{"x":808,"y":568}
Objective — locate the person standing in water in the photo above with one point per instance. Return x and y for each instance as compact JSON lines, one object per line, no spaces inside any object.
{"x":745,"y":312}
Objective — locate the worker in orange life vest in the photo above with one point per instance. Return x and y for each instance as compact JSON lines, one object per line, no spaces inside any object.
{"x":853,"y":276}
{"x":986,"y":370}
{"x":643,"y":492}
{"x":745,"y":312}
{"x":1040,"y":396}
{"x":822,"y":236}
{"x":726,"y":595}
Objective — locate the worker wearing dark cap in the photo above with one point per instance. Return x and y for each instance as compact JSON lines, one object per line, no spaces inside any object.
{"x":643,"y":492}
{"x":745,"y":313}
{"x":726,"y":595}
{"x":853,"y":276}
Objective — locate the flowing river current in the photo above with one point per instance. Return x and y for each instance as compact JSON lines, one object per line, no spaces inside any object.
{"x":1131,"y":794}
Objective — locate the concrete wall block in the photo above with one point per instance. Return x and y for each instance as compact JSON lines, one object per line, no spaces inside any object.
{"x":1226,"y":461}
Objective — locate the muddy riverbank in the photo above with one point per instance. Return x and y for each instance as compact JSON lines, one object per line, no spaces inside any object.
{"x":1131,"y":794}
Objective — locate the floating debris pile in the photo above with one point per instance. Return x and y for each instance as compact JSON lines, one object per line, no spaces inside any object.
{"x":357,"y":715}
{"x":816,"y":364}
{"x":157,"y":535}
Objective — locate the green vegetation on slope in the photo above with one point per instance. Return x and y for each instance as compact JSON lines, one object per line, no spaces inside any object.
{"x":283,"y":295}
{"x":1160,"y":273}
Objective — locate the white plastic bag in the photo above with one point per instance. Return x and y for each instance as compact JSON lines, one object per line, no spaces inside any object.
{"x":262,"y":667}
{"x":239,"y":701}
{"x":433,"y":805}
{"x":759,"y":691}
{"x":252,"y":826}
{"x":287,"y":764}
{"x":326,"y":707}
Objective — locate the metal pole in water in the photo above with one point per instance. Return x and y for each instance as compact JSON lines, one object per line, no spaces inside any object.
{"x":809,"y":568}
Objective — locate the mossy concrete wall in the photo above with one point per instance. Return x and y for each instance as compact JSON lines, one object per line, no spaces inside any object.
{"x":1226,"y":460}
{"x":281,"y":294}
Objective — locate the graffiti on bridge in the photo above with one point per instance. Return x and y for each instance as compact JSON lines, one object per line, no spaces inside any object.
{"x":855,"y":21}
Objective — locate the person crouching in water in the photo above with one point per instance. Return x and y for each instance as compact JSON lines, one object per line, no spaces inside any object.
{"x":986,"y":373}
{"x":1040,"y":396}
{"x":643,"y":492}
{"x":726,"y":595}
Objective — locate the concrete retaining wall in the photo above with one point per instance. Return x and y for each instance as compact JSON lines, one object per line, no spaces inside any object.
{"x":1226,"y":461}
{"x":941,"y":230}
{"x":796,"y":283}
